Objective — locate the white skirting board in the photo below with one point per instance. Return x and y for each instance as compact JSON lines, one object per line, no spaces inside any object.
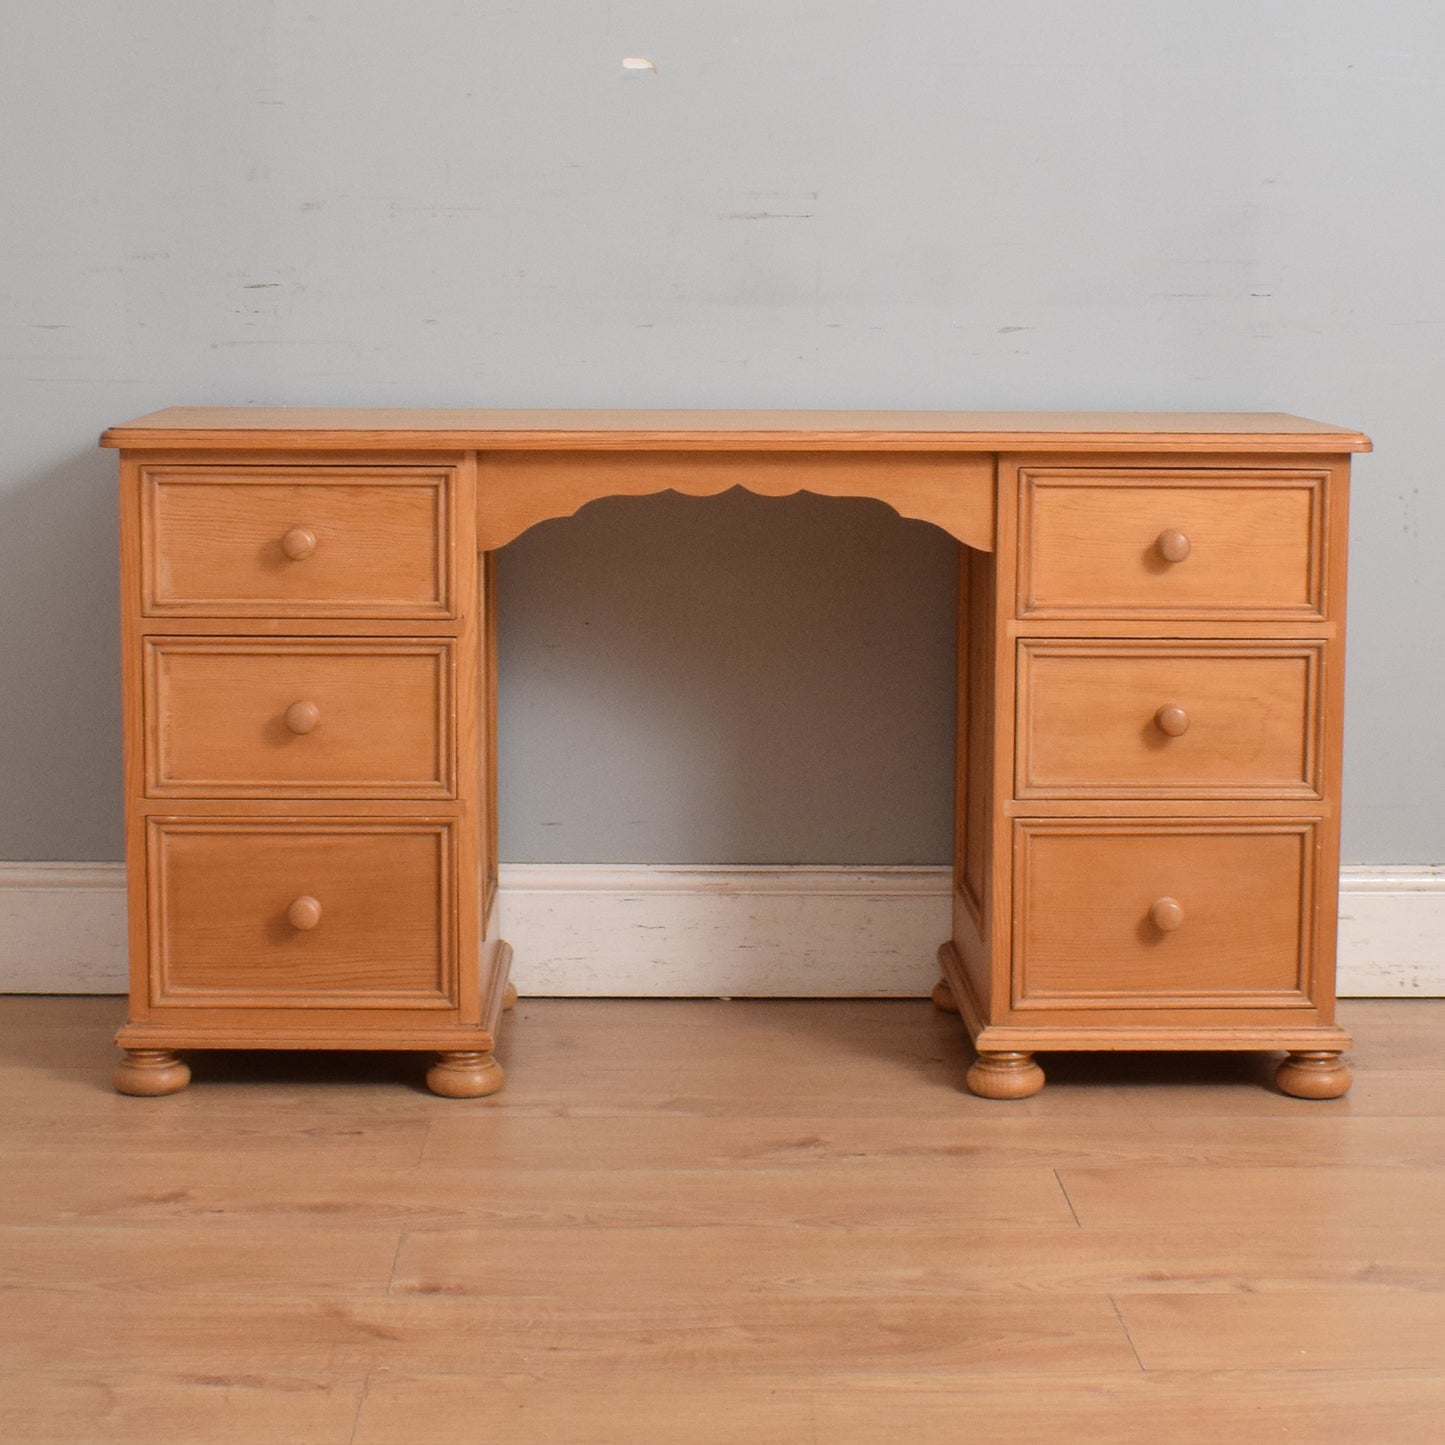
{"x":666,"y":931}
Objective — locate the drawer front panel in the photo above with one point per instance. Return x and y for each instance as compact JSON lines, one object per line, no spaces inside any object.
{"x":350,"y":914}
{"x":1196,"y":720}
{"x":290,"y":718}
{"x":298,"y":542}
{"x":1161,"y":913}
{"x":1111,"y":543}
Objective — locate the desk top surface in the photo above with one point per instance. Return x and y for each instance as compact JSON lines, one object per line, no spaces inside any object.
{"x":437,"y":429}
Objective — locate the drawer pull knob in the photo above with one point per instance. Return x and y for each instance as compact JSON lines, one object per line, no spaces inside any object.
{"x":1166,"y":914}
{"x":304,"y":912}
{"x":1173,"y":545}
{"x":299,"y":543}
{"x":1171,"y":720}
{"x":302,"y":717}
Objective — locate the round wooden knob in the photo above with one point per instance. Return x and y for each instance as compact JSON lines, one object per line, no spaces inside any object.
{"x":1166,"y":914}
{"x":299,"y":542}
{"x":301,"y":717}
{"x":1171,"y":720}
{"x":1173,"y":545}
{"x":304,"y":912}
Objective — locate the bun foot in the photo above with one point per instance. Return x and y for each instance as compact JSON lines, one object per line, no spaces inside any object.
{"x":943,"y":997}
{"x":509,"y":999}
{"x":149,"y":1073}
{"x":464,"y":1076}
{"x":1314,"y":1075}
{"x":1004,"y":1076}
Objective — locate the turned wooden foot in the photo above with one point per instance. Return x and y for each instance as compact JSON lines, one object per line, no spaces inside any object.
{"x":464,"y":1076}
{"x":149,"y":1073}
{"x":1314,"y":1074}
{"x":943,"y":997}
{"x":1004,"y":1076}
{"x":509,"y":999}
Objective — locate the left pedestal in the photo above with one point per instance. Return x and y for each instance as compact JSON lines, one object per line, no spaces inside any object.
{"x":307,"y":646}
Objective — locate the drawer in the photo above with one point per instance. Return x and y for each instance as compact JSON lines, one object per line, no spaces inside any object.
{"x":238,"y":541}
{"x":1168,"y":720}
{"x":282,"y":913}
{"x":252,"y":717}
{"x":1134,"y":544}
{"x":1190,"y":913}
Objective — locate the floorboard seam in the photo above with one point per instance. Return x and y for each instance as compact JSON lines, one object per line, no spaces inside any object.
{"x":1119,"y":1315}
{"x":1058,"y":1179}
{"x":360,"y":1406}
{"x":395,"y":1263}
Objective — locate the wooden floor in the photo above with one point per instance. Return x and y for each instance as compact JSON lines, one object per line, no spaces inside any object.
{"x":713,"y":1222}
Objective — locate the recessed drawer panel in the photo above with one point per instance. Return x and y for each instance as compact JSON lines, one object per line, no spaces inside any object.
{"x":1122,"y":544}
{"x":298,"y":541}
{"x":346,"y":914}
{"x":1168,"y":720}
{"x":1156,"y":913}
{"x":235,"y":717}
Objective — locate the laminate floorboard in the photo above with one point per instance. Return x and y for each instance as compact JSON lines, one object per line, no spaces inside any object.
{"x":130,"y":1406}
{"x":1158,"y":1408}
{"x":712,"y":1222}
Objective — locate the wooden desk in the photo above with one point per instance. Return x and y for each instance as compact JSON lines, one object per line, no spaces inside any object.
{"x":1151,"y":629}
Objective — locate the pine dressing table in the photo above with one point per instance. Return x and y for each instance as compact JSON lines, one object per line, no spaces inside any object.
{"x":1151,"y":634}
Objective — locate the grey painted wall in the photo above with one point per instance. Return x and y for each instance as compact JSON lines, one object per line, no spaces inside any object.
{"x":1038,"y":204}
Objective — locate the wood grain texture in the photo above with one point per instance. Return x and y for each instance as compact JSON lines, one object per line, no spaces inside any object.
{"x":222,"y":891}
{"x":235,"y":1259}
{"x":1090,"y":542}
{"x":277,"y":717}
{"x":304,"y":676}
{"x":1147,"y":594}
{"x":215,"y":541}
{"x":659,"y":1232}
{"x":142,"y":1406}
{"x":873,"y":1260}
{"x":1237,"y":720}
{"x":926,"y":1408}
{"x":1330,"y":1329}
{"x":460,"y":428}
{"x":521,"y":488}
{"x":1085,"y":893}
{"x":1180,"y":528}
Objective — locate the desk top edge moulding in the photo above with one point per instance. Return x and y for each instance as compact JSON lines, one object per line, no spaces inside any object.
{"x":462,"y":427}
{"x":310,"y":868}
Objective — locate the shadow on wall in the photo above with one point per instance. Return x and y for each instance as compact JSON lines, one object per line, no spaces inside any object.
{"x":60,"y":763}
{"x":732,"y":679}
